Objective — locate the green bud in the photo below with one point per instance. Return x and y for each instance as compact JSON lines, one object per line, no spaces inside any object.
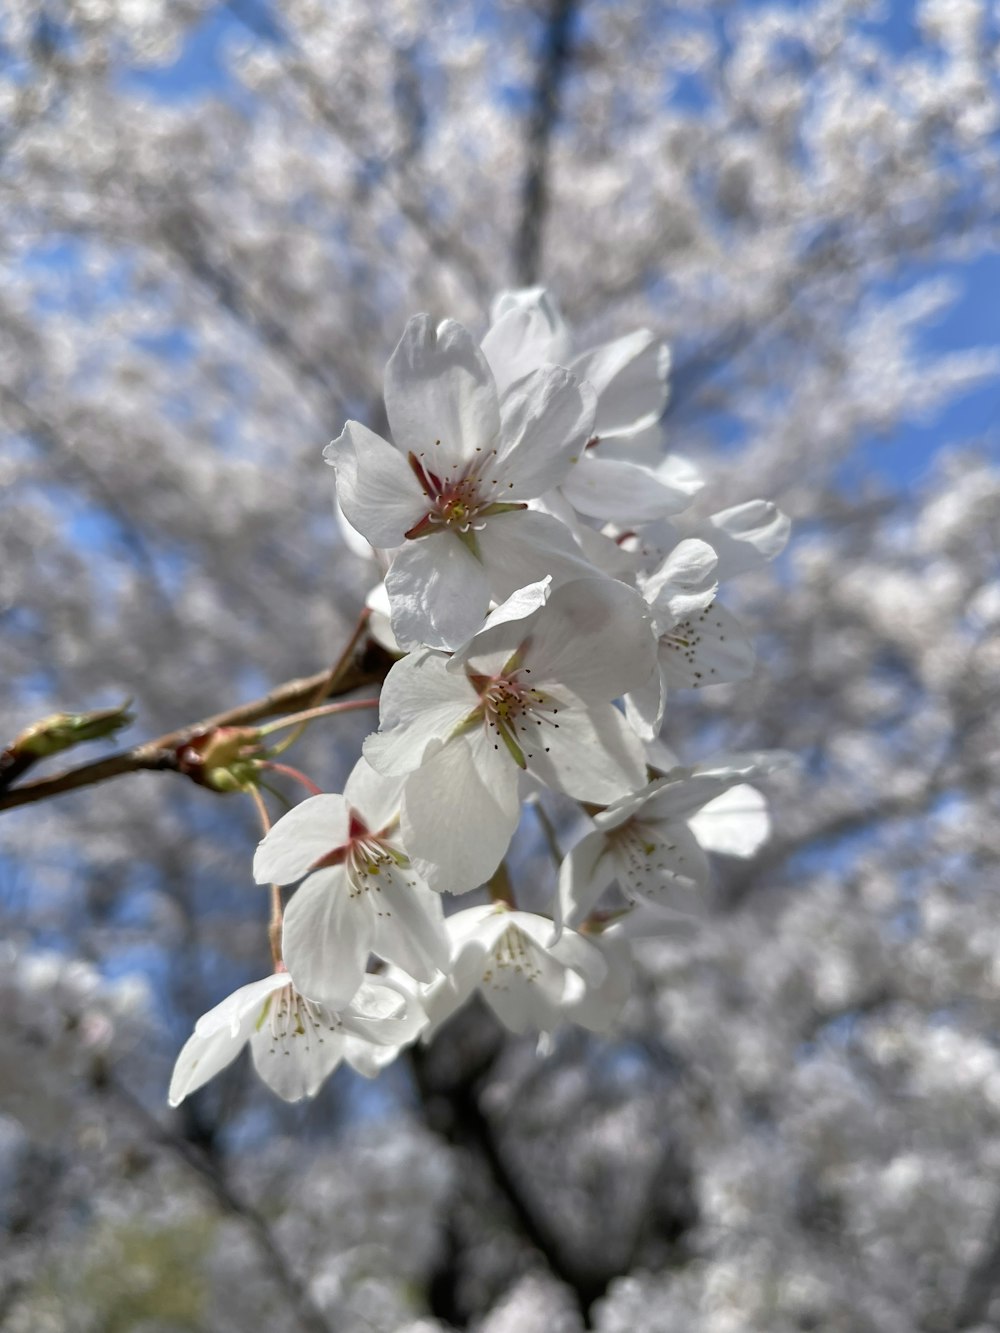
{"x":60,"y":731}
{"x":223,"y":780}
{"x":223,"y":759}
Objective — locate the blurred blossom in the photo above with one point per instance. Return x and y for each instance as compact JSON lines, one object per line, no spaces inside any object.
{"x":217,"y":220}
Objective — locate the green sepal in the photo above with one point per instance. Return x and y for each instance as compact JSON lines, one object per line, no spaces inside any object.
{"x":515,"y":750}
{"x":468,"y":538}
{"x":468,"y":723}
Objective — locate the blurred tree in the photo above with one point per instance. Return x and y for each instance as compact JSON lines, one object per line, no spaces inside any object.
{"x":216,"y":219}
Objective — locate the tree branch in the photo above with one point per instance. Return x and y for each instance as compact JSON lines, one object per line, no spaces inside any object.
{"x":452,"y":1106}
{"x":981,"y":1281}
{"x":552,"y":66}
{"x":364,"y":662}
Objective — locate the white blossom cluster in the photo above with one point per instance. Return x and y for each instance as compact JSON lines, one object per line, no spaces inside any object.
{"x":537,"y":569}
{"x":794,"y":1121}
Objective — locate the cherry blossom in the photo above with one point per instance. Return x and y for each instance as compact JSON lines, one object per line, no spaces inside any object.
{"x":451,"y":491}
{"x":744,"y":537}
{"x":629,"y":377}
{"x":698,"y":641}
{"x":359,"y":894}
{"x":531,"y":692}
{"x":531,"y":981}
{"x":295,"y":1042}
{"x":649,"y":841}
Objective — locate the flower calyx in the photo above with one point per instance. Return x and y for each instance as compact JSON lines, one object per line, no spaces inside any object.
{"x":224,"y":759}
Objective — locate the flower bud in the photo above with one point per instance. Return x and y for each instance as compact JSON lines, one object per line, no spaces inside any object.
{"x":223,"y":759}
{"x":59,"y":731}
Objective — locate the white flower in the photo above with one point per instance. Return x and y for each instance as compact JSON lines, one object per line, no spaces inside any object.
{"x":628,"y":374}
{"x":451,"y":490}
{"x":629,"y":377}
{"x":530,"y":981}
{"x":597,"y":1007}
{"x":530,"y":692}
{"x":698,"y":641}
{"x":360,"y":894}
{"x":648,"y":842}
{"x":736,"y":823}
{"x":296,"y":1043}
{"x":744,"y":537}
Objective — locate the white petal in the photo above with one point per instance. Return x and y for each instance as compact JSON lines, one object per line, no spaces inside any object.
{"x":585,"y":873}
{"x":706,"y":648}
{"x":524,"y":547}
{"x":659,"y":755}
{"x":680,"y":474}
{"x":297,"y":1059}
{"x":597,"y":1007}
{"x":438,"y":591}
{"x":748,"y":764}
{"x":385,"y":1012}
{"x":232,"y":1012}
{"x":735,"y":823}
{"x":375,"y":797}
{"x":747,"y":536}
{"x":522,"y":983}
{"x":677,"y":797}
{"x":485,"y":923}
{"x":684,"y":583}
{"x":620,"y":492}
{"x":593,"y":755}
{"x":353,"y":540}
{"x":460,"y":812}
{"x":473,"y":933}
{"x":618,"y":812}
{"x":327,"y":936}
{"x":570,"y":950}
{"x":379,"y":627}
{"x":644,"y":707}
{"x":503,"y":629}
{"x":409,"y":927}
{"x":447,"y":994}
{"x":440,"y":396}
{"x":527,"y":332}
{"x":546,"y":421}
{"x":604,"y":552}
{"x":367,"y":1059}
{"x":421,"y":702}
{"x":202,"y":1057}
{"x":662,"y":865}
{"x":630,"y":376}
{"x":594,"y":638}
{"x":379,"y":495}
{"x":299,"y":839}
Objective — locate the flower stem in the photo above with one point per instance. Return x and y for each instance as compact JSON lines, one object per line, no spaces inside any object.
{"x":277,"y":910}
{"x":290,"y":772}
{"x":334,"y":674}
{"x":500,"y":888}
{"x":549,"y":832}
{"x":299,"y":720}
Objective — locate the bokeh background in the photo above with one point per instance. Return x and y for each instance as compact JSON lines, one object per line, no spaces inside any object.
{"x":214,"y":221}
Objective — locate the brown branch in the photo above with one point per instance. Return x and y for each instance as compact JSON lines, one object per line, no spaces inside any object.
{"x":450,"y":1091}
{"x":364,"y":663}
{"x":553,"y":64}
{"x":981,"y":1281}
